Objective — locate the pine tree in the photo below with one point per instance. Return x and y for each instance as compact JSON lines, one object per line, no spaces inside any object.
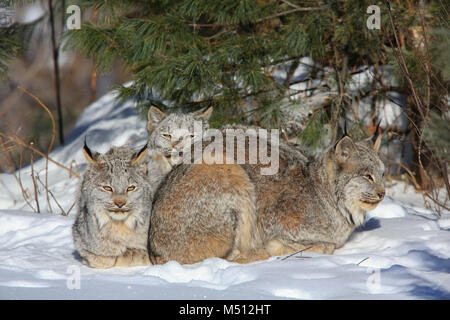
{"x":199,"y":53}
{"x":12,"y":36}
{"x":228,"y":53}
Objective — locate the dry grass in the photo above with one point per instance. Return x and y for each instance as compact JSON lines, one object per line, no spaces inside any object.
{"x":11,"y":141}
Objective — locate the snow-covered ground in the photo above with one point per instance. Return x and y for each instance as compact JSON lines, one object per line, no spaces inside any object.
{"x":402,"y":252}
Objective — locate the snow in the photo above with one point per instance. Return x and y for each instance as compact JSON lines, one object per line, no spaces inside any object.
{"x":402,"y":251}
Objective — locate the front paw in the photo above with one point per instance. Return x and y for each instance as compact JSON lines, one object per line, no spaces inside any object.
{"x":99,"y":262}
{"x":133,"y":258}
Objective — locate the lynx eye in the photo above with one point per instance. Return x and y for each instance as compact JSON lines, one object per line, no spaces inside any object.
{"x":107,"y":188}
{"x":167,"y":136}
{"x":131,"y":188}
{"x":369,"y":177}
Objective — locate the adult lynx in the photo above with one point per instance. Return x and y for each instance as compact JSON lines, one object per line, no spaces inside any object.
{"x":114,"y":207}
{"x":235,"y":212}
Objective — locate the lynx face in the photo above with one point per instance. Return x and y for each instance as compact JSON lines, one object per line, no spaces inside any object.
{"x":171,"y":134}
{"x":115,"y":185}
{"x":359,"y":177}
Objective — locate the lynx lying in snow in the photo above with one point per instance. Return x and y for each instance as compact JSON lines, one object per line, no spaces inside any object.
{"x":234,"y":212}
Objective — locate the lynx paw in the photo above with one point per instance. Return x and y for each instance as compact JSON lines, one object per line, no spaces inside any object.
{"x":278,"y":247}
{"x":133,"y":258}
{"x":248,"y":256}
{"x":99,"y":262}
{"x":322,"y":247}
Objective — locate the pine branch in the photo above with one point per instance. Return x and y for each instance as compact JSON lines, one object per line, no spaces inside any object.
{"x":288,"y":12}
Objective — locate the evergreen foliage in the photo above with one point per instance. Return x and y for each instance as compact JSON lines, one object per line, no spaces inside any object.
{"x":230,"y":53}
{"x":436,"y":133}
{"x":199,"y":53}
{"x":9,"y":47}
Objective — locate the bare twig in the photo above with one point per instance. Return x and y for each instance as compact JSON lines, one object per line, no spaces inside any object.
{"x":288,"y":12}
{"x":421,"y":107}
{"x":6,"y":157}
{"x":362,"y":261}
{"x":73,"y":163}
{"x":33,"y":179}
{"x":402,"y":62}
{"x":21,"y":142}
{"x":290,"y":4}
{"x":291,"y":72}
{"x":71,"y":207}
{"x":64,"y":213}
{"x":299,"y":251}
{"x":51,"y":141}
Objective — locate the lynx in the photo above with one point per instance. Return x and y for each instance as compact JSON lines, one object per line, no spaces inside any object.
{"x":234,"y":212}
{"x":114,"y":207}
{"x":169,"y":135}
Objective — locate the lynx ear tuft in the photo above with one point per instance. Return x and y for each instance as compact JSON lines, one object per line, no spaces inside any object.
{"x":88,"y":154}
{"x":344,"y":149}
{"x":376,"y":138}
{"x":377,"y":143}
{"x":139,"y":156}
{"x":203,"y":114}
{"x":155,"y":116}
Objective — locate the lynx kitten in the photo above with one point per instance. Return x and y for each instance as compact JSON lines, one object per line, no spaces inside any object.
{"x":114,"y":207}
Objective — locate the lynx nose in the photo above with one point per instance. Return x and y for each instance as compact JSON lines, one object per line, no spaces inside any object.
{"x":119,"y":203}
{"x":175,"y":141}
{"x":381,"y":194}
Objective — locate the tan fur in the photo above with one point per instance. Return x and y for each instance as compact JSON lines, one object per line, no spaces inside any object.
{"x":232,"y":177}
{"x":97,"y":261}
{"x":130,"y":258}
{"x":88,"y":157}
{"x":277,"y":247}
{"x":377,"y":143}
{"x":225,"y":181}
{"x":133,"y":258}
{"x":242,"y":215}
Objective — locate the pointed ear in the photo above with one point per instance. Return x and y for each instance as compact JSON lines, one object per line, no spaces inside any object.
{"x":139,"y":156}
{"x":377,"y":142}
{"x":90,"y":157}
{"x":376,"y":138}
{"x":203,"y":115}
{"x":344,"y":149}
{"x":155,"y":116}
